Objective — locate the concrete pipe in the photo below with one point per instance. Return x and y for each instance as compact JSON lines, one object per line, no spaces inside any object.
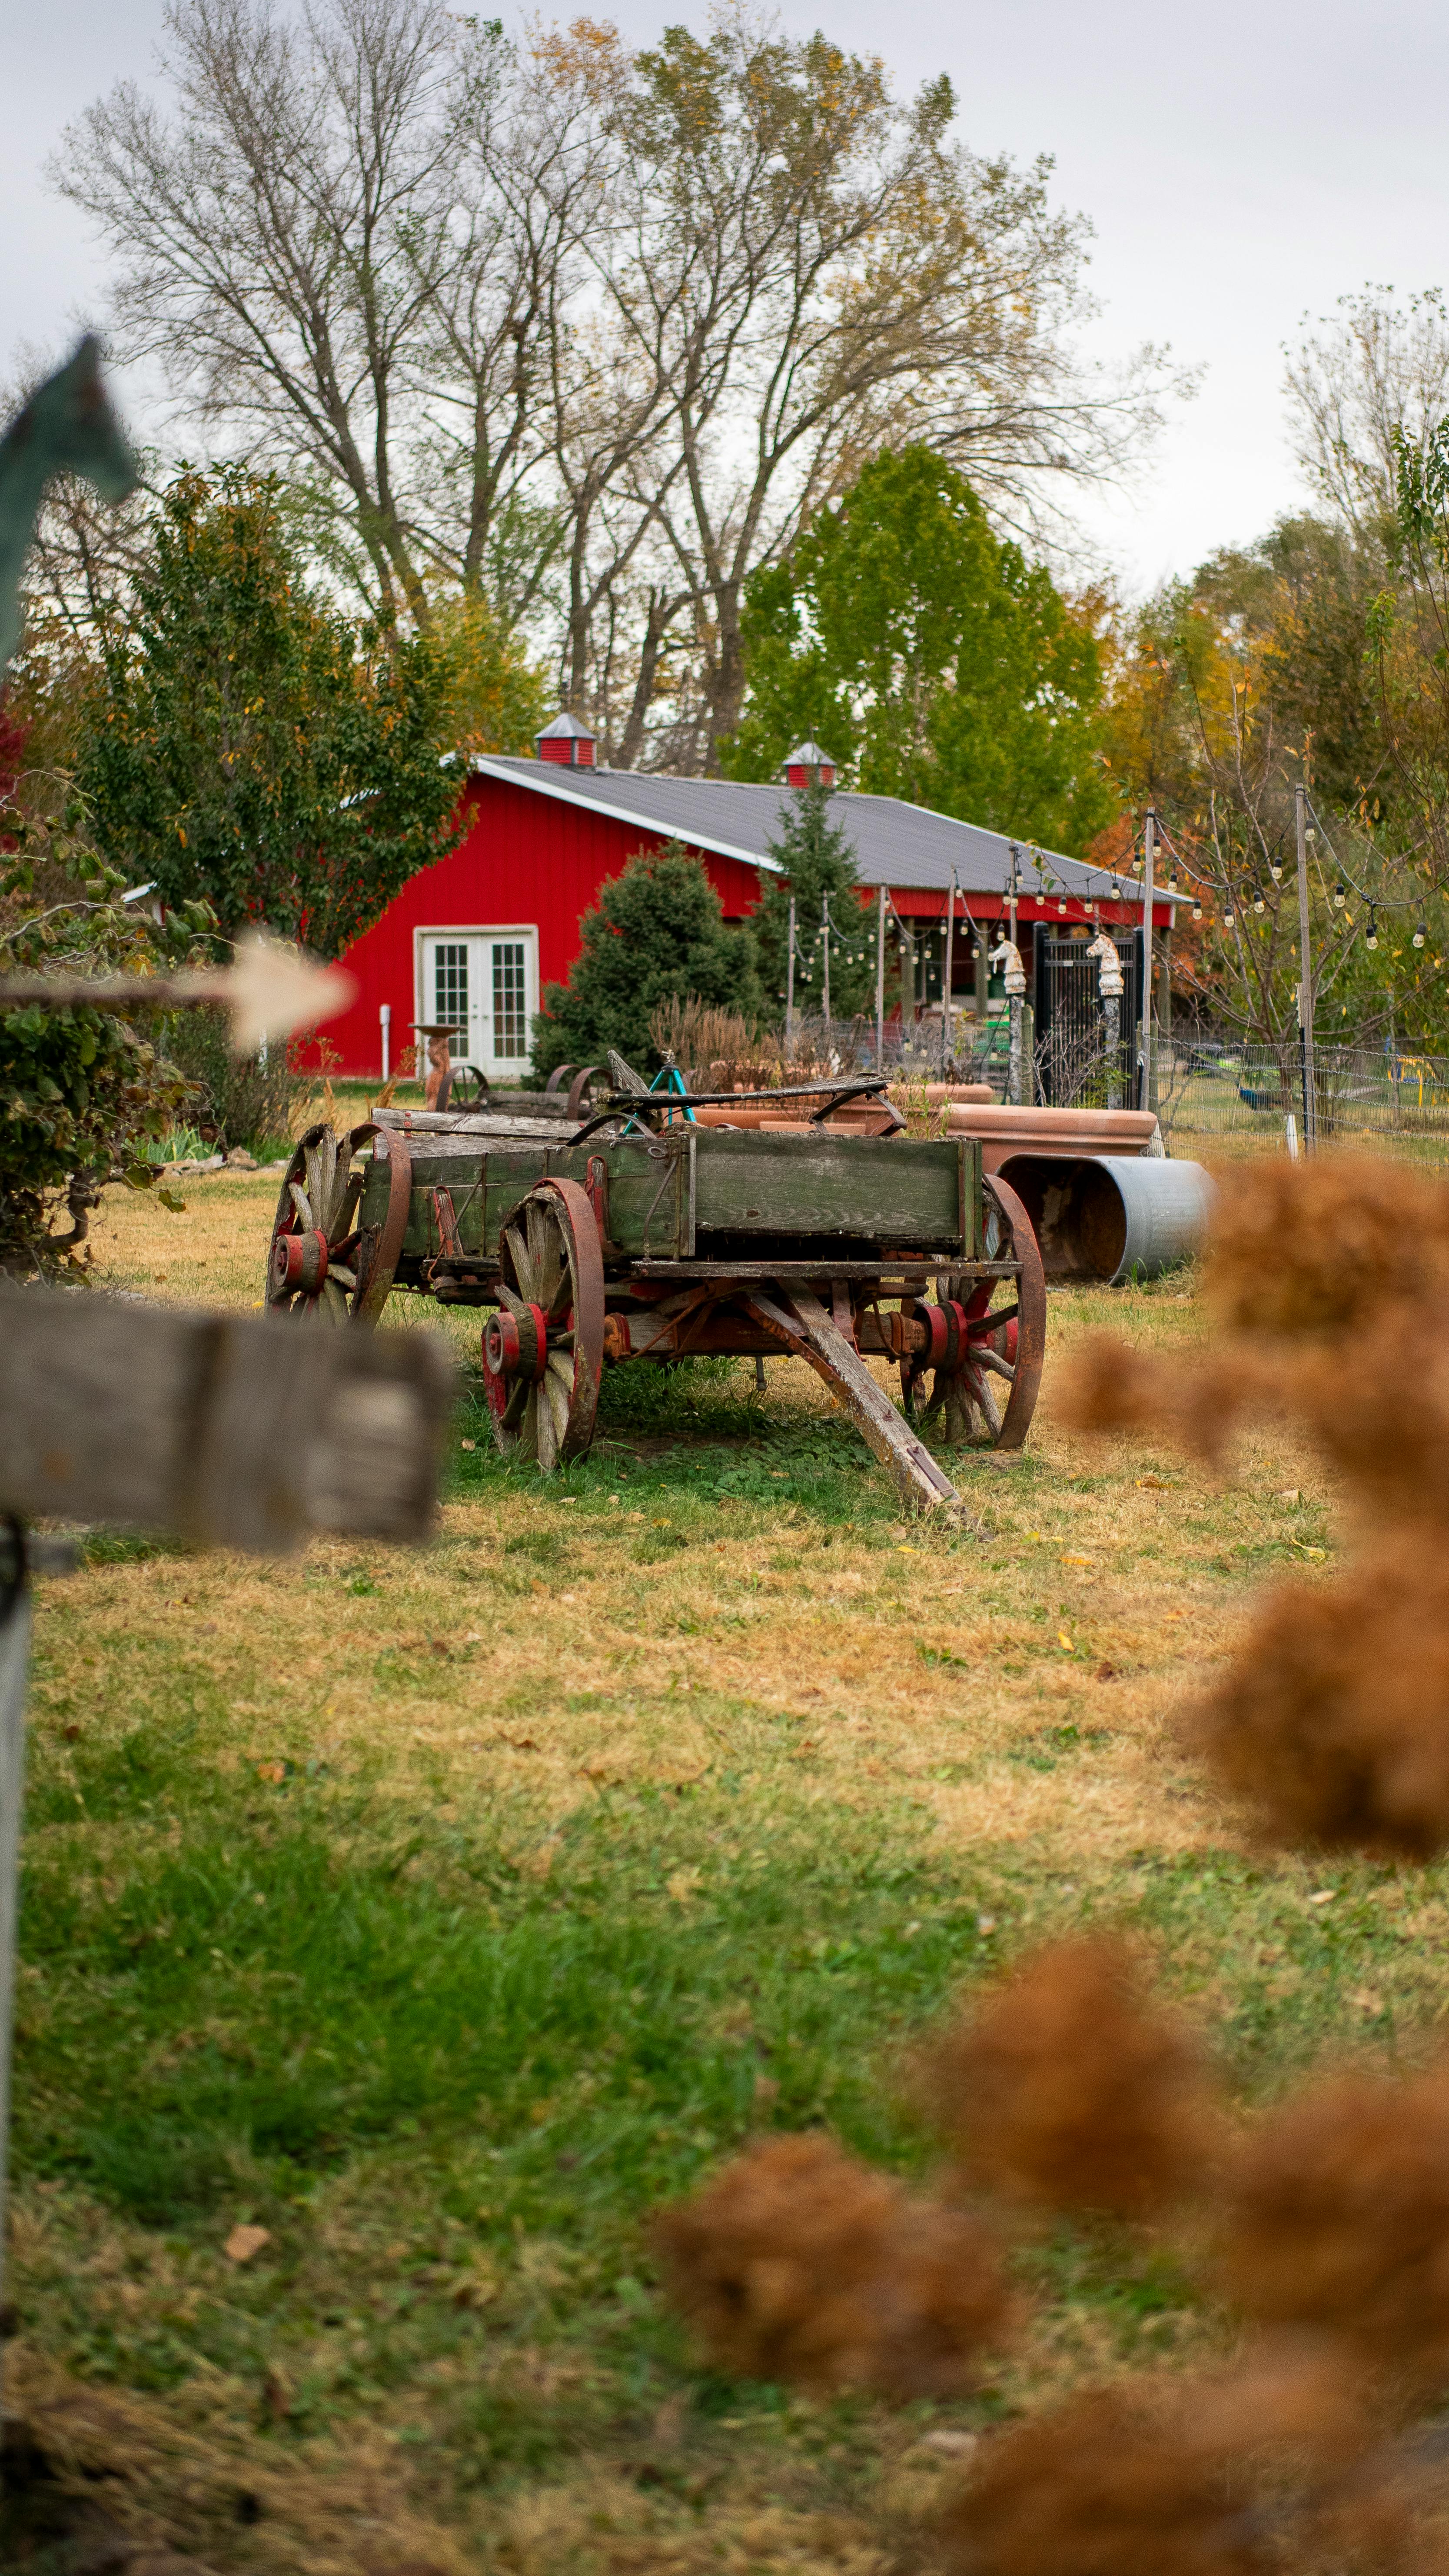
{"x":1112,"y":1216}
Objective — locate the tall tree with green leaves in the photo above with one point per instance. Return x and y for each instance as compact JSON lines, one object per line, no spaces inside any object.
{"x":657,"y":930}
{"x":246,"y":744}
{"x":932,"y":658}
{"x":817,"y":861}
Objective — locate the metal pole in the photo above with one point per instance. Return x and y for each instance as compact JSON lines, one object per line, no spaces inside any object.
{"x":384,"y":1017}
{"x":14,"y":1666}
{"x":1013,"y":1056}
{"x":950,"y":970}
{"x":1305,"y":978}
{"x":1149,"y":842}
{"x":825,"y":970}
{"x":880,"y":983}
{"x":790,"y":982}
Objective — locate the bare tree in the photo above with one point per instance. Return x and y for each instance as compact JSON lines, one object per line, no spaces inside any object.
{"x":1371,"y":368}
{"x":591,"y":330}
{"x":818,"y":271}
{"x":297,"y":251}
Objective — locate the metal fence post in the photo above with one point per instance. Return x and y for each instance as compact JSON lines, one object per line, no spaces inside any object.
{"x":14,"y":1667}
{"x":1305,"y":977}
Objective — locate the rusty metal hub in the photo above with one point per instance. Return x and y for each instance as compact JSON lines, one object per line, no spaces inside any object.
{"x":299,"y":1261}
{"x":516,"y":1345}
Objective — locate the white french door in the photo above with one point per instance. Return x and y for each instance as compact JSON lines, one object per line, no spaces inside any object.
{"x":483,"y":983}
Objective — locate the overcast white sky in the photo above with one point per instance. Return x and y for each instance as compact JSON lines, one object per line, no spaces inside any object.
{"x":1242,"y":166}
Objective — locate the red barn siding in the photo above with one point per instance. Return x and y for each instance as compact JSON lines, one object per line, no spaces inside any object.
{"x":534,"y":861}
{"x":524,"y":860}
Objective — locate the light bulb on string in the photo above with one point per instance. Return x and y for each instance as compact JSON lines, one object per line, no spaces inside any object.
{"x":1372,"y":939}
{"x":1258,"y":904}
{"x":1420,"y":934}
{"x":1197,"y":912}
{"x":1277,"y":875}
{"x":1228,"y":919}
{"x":1340,"y":897}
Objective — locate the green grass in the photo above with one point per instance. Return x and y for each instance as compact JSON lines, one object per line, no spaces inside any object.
{"x":346,"y":1913}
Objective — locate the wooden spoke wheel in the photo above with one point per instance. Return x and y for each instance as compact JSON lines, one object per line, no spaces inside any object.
{"x":543,"y":1351}
{"x":988,"y":1339}
{"x":320,"y":1264}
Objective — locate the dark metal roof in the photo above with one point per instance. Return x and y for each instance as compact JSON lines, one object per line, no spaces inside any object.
{"x":895,"y":844}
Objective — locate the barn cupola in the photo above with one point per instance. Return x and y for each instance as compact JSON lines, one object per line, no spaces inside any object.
{"x":808,"y":765}
{"x":568,"y":741}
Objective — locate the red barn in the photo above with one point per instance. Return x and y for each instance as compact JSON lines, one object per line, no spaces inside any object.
{"x":472,"y":940}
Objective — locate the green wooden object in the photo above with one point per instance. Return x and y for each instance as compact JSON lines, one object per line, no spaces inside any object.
{"x":695,"y":1191}
{"x":67,"y":427}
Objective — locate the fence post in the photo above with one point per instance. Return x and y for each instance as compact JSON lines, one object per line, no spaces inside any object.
{"x":790,"y":981}
{"x":14,"y":1665}
{"x":880,"y":982}
{"x":1305,"y":977}
{"x":947,"y":975}
{"x":1149,"y":843}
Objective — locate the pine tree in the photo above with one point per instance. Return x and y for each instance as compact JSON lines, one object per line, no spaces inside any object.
{"x":817,"y":860}
{"x":657,"y":930}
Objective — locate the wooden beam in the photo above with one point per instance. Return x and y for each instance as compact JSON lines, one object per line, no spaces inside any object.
{"x":224,"y":1430}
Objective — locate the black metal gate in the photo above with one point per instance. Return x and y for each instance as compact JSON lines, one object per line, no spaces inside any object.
{"x":1076,"y":1064}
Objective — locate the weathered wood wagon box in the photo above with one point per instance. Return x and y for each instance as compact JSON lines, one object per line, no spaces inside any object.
{"x":595,"y":1246}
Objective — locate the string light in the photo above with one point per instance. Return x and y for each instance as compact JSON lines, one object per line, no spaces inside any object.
{"x":1340,"y":897}
{"x":1420,"y":934}
{"x":1277,"y":875}
{"x":1197,"y":912}
{"x":1372,"y":939}
{"x":1228,"y":919}
{"x":1258,"y":904}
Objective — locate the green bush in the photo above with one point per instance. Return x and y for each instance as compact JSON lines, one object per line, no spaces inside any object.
{"x":80,"y":1090}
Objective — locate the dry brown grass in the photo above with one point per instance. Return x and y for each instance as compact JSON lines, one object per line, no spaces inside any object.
{"x":1098,"y":1603}
{"x":1015,"y":1698}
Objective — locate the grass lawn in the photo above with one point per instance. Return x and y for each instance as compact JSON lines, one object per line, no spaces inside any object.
{"x":440,"y":1914}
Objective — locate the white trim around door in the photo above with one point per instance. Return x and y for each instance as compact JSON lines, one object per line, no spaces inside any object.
{"x":482,"y":979}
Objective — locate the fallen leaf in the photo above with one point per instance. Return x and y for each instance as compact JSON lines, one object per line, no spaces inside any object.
{"x":1323,"y":1896}
{"x":467,"y":1444}
{"x":950,"y":2445}
{"x":244,"y":2242}
{"x":985,"y":1924}
{"x":276,"y":1772}
{"x":1290,"y":1494}
{"x":1154,"y":1484}
{"x":1065,"y":1641}
{"x":1105,"y":1673}
{"x":1079,"y":1560}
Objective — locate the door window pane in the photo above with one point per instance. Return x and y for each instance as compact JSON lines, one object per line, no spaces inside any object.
{"x":510,"y":998}
{"x":450,"y":983}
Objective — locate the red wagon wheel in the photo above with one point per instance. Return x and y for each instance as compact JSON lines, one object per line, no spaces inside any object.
{"x":986,"y":1331}
{"x":319,"y":1263}
{"x":543,"y":1351}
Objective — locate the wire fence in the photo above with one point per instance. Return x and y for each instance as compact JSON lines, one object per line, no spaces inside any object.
{"x":1235,"y":1099}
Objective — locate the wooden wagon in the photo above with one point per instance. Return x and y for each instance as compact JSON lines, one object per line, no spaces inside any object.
{"x":641,"y":1236}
